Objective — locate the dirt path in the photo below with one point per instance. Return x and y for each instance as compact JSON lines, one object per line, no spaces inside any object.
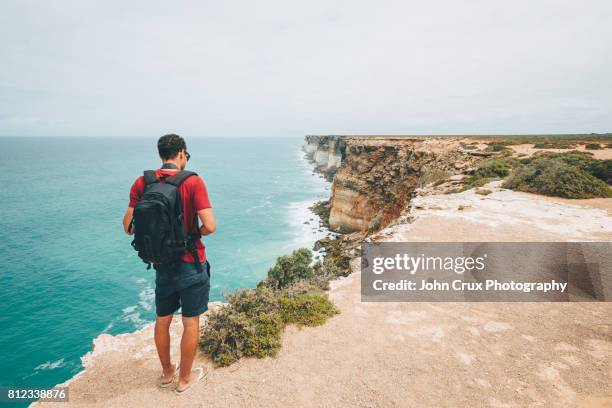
{"x":404,"y":354}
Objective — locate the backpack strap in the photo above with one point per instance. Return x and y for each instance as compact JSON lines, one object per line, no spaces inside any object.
{"x":150,"y":177}
{"x":177,"y":180}
{"x":180,"y":177}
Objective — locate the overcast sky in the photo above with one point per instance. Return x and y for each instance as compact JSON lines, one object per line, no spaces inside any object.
{"x":285,"y":68}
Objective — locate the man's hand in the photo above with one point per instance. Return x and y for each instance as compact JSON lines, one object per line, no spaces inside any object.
{"x":127,"y":221}
{"x":207,"y":218}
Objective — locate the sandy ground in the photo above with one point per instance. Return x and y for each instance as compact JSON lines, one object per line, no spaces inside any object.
{"x":528,"y":149}
{"x":406,"y":354}
{"x":504,"y":215}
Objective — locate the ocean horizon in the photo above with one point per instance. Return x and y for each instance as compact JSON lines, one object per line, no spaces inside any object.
{"x":69,"y":271}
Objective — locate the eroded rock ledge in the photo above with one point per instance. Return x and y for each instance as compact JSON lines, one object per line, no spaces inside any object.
{"x":374,"y":177}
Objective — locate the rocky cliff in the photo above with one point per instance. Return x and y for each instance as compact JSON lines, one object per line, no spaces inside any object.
{"x":374,"y":177}
{"x":326,"y":152}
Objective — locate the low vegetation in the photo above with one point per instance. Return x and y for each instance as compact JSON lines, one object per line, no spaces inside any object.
{"x":554,"y":145}
{"x":571,"y":174}
{"x":555,"y":141}
{"x":592,"y":146}
{"x":496,"y":147}
{"x":252,"y":321}
{"x":492,"y":170}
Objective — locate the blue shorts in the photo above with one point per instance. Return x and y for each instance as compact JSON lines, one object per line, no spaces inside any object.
{"x":180,"y":285}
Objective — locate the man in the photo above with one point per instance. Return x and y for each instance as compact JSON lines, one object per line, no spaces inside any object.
{"x":180,"y":284}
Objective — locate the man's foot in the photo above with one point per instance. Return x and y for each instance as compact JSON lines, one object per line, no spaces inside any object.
{"x":195,"y":376}
{"x":167,"y":377}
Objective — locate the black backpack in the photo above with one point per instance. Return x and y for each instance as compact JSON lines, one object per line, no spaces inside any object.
{"x":160,"y":236}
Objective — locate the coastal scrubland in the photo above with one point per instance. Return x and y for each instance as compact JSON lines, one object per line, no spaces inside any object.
{"x":252,"y":321}
{"x":572,"y":174}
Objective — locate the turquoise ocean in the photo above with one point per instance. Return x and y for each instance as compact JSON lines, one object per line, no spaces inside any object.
{"x":67,"y":270}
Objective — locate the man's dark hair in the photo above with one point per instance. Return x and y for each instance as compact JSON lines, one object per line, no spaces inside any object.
{"x":170,"y":145}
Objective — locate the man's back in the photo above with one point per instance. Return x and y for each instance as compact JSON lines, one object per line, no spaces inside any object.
{"x":194,"y":198}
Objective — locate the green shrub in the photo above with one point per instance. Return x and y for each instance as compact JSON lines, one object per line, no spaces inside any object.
{"x":582,"y":160}
{"x":550,"y":176}
{"x":306,"y":308}
{"x":252,"y":321}
{"x":495,"y":147}
{"x":491,"y":170}
{"x":469,"y":146}
{"x":592,"y":146}
{"x":290,"y":268}
{"x":602,"y":169}
{"x":553,"y":145}
{"x":330,"y":268}
{"x":256,"y":301}
{"x":229,"y":335}
{"x":497,"y":168}
{"x":572,"y":174}
{"x":477,"y":182}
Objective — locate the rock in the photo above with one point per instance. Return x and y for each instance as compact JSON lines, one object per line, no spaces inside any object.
{"x":483,"y":191}
{"x":378,"y":176}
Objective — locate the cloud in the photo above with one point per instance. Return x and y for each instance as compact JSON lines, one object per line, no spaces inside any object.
{"x":290,"y":68}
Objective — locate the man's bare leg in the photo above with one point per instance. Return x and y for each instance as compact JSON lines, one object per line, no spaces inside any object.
{"x":189,"y":345}
{"x":162,"y":342}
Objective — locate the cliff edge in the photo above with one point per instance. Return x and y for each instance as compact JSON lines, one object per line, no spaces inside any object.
{"x":375,"y":177}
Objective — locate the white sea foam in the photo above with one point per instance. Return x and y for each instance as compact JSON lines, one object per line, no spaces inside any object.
{"x":147,"y":297}
{"x":305,"y":224}
{"x":133,"y":314}
{"x":50,"y":365}
{"x":134,"y":318}
{"x":264,"y":203}
{"x":129,"y":309}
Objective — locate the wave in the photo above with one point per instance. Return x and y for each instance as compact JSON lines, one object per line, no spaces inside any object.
{"x":133,"y":314}
{"x":305,"y":224}
{"x":50,"y":365}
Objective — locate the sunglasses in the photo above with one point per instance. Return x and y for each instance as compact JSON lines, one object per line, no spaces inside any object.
{"x":187,"y":155}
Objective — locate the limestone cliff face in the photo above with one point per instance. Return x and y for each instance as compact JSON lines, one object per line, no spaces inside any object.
{"x":374,"y":177}
{"x":326,"y":152}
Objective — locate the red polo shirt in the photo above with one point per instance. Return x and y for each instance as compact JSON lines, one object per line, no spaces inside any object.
{"x":194,"y":197}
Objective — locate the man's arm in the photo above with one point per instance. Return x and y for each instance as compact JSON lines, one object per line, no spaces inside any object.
{"x":135,"y":193}
{"x":207,"y":218}
{"x":127,"y":220}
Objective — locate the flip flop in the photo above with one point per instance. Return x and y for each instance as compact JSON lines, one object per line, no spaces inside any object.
{"x":201,"y":376}
{"x":163,"y":384}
